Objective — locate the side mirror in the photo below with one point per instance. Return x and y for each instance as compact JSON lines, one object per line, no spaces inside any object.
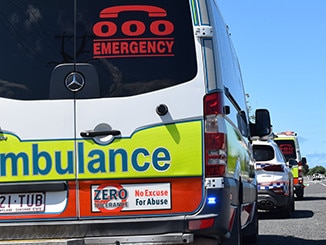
{"x":262,"y":126}
{"x":292,"y":162}
{"x":243,"y":123}
{"x":304,"y":161}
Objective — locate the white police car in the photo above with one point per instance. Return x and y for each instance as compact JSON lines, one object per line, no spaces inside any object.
{"x":275,"y":180}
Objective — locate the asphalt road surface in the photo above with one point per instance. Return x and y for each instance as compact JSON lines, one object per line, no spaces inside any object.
{"x":307,"y":226}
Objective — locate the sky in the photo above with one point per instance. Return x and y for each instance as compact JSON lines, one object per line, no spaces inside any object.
{"x":281,"y":47}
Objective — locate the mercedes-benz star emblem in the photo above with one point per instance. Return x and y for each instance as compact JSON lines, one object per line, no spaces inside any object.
{"x":74,"y":81}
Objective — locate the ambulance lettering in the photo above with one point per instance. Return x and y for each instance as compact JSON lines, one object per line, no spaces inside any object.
{"x":41,"y":162}
{"x":138,"y":156}
{"x":133,"y":43}
{"x":287,"y":149}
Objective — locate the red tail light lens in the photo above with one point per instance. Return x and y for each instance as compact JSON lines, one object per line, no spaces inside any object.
{"x":279,"y":190}
{"x":215,"y":136}
{"x":300,"y":169}
{"x":213,"y":104}
{"x":200,"y":224}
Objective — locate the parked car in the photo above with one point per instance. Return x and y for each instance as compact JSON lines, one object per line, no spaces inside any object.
{"x":275,"y":179}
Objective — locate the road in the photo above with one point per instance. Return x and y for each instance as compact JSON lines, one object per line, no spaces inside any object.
{"x":305,"y":227}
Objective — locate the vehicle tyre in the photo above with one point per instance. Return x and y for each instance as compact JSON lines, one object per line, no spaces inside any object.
{"x":292,"y":204}
{"x":288,"y":210}
{"x":300,"y":193}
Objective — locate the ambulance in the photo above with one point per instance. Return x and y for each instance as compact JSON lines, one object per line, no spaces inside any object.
{"x":123,"y":122}
{"x":288,"y":143}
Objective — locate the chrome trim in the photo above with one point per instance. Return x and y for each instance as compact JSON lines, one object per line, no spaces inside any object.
{"x":74,"y":81}
{"x":172,"y":238}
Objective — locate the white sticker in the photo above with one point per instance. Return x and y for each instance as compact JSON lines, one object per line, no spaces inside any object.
{"x":131,"y":197}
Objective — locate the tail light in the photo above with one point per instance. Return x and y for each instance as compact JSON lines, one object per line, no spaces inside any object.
{"x":200,"y":224}
{"x":300,"y":177}
{"x":215,"y":136}
{"x":279,"y":190}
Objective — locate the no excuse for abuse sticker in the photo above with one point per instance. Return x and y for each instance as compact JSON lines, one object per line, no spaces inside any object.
{"x":131,"y":197}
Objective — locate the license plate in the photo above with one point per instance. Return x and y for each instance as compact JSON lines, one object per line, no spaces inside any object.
{"x":22,"y":202}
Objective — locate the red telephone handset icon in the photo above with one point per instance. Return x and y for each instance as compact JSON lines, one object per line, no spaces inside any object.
{"x":113,"y":12}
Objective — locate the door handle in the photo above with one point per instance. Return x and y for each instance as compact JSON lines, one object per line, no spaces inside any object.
{"x":92,"y":133}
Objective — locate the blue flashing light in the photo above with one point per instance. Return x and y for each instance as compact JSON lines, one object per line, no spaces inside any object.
{"x":211,"y":200}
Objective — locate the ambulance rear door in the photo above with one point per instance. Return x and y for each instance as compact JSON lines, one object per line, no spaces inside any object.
{"x":37,"y":159}
{"x":139,"y":140}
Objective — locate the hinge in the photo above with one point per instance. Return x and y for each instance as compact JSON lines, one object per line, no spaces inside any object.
{"x":204,"y":31}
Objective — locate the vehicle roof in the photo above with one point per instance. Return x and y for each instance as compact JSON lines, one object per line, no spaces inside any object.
{"x":286,"y":135}
{"x":264,"y":142}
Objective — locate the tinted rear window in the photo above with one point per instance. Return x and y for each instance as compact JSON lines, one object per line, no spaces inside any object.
{"x":287,"y":147}
{"x":135,"y":46}
{"x":263,"y":152}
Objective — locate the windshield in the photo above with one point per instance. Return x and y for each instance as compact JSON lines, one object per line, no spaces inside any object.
{"x":263,"y":152}
{"x":134,"y":46}
{"x":288,"y":148}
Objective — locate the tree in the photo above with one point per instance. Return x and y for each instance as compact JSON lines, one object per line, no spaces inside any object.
{"x":305,"y":169}
{"x":317,"y":170}
{"x":251,"y":115}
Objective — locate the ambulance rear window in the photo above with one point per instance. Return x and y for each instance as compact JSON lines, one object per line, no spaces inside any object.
{"x":287,"y":147}
{"x":135,"y":47}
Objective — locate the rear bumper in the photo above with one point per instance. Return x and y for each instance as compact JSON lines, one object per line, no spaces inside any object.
{"x":168,"y":230}
{"x":91,"y":228}
{"x":212,"y":222}
{"x":114,"y":241}
{"x":173,"y":238}
{"x":268,"y":200}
